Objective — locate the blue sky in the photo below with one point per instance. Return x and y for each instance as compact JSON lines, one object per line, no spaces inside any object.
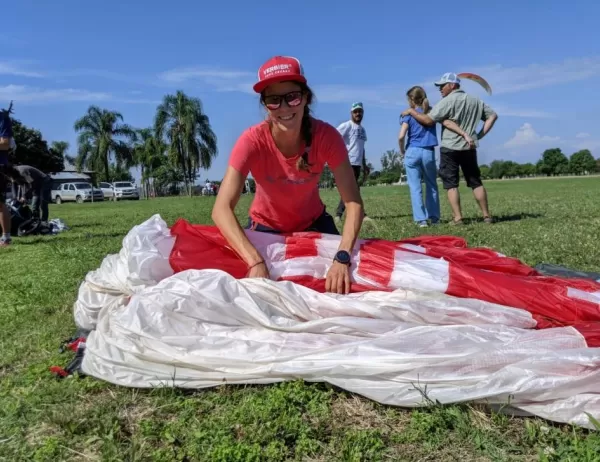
{"x":541,"y":58}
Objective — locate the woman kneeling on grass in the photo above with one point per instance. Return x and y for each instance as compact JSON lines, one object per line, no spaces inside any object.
{"x":286,"y":155}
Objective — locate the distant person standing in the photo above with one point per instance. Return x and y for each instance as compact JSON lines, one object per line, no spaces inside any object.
{"x":7,"y":144}
{"x":459,"y":150}
{"x":36,"y":184}
{"x":419,"y":159}
{"x":355,"y":136}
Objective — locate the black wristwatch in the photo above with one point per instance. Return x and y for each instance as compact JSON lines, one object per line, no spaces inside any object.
{"x":342,"y":257}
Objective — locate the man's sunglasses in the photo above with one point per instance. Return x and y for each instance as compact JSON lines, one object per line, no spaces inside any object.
{"x":292,"y":99}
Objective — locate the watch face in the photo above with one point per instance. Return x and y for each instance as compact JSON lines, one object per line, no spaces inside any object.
{"x":342,"y":256}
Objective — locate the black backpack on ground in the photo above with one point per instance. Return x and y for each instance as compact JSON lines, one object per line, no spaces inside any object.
{"x":19,"y":214}
{"x":34,"y":227}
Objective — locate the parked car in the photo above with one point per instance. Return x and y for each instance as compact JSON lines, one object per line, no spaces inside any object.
{"x":125,"y":190}
{"x":108,"y":190}
{"x":79,"y":192}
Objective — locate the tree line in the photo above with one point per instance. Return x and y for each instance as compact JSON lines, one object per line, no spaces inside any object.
{"x":181,"y":142}
{"x":553,"y":162}
{"x":171,"y":152}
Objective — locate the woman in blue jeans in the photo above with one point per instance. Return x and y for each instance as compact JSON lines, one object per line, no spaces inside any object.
{"x":419,"y":160}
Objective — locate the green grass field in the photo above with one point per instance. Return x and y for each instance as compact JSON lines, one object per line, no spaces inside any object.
{"x":44,"y":419}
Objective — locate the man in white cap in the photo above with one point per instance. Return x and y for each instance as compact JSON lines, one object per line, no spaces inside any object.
{"x":459,"y":148}
{"x":355,"y":136}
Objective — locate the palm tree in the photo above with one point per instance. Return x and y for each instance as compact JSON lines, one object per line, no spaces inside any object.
{"x":189,"y":136}
{"x":149,"y":154}
{"x":60,"y":149}
{"x":102,"y":133}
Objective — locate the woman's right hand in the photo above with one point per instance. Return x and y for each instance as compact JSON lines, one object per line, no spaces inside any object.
{"x":259,"y":271}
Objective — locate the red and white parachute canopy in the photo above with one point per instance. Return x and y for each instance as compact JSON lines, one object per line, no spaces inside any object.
{"x":173,"y":308}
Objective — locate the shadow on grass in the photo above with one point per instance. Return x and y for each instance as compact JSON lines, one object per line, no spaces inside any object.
{"x":86,"y":225}
{"x":383,"y":217}
{"x":500,"y":218}
{"x":517,"y":217}
{"x":48,"y":239}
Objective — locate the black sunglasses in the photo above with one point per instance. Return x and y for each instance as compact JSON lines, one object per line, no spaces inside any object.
{"x":292,"y":99}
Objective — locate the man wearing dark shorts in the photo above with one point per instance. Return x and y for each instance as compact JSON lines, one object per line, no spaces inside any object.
{"x":455,"y":150}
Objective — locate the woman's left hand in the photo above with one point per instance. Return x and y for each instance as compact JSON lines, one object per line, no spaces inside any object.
{"x":407,"y":112}
{"x":338,"y":279}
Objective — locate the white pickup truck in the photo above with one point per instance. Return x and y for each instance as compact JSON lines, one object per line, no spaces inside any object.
{"x":120,"y":190}
{"x":78,"y":192}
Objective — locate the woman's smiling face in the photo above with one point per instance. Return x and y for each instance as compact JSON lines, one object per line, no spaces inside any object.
{"x":285,"y":102}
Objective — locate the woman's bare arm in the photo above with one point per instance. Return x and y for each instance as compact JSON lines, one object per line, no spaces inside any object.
{"x":350,"y":194}
{"x":401,"y":136}
{"x":224,"y":217}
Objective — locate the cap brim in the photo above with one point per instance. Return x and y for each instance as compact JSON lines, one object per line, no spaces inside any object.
{"x":260,"y":86}
{"x":439,"y":84}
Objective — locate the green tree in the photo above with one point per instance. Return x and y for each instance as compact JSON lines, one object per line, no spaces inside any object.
{"x":497,"y":169}
{"x":33,"y":150}
{"x":120,"y":173}
{"x":102,"y":135}
{"x":485,"y":171}
{"x":192,"y":143}
{"x":167,"y":180}
{"x":61,"y":148}
{"x":149,"y":153}
{"x":327,"y":177}
{"x":541,"y":168}
{"x":391,"y":161}
{"x":527,"y":169}
{"x":582,"y":162}
{"x":555,"y":162}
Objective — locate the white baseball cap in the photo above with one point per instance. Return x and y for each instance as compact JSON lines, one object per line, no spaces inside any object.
{"x":448,"y":77}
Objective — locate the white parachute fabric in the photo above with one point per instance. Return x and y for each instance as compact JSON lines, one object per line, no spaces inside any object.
{"x":142,"y":262}
{"x":203,"y":328}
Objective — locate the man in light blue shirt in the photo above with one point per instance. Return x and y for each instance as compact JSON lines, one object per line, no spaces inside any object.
{"x":355,"y":136}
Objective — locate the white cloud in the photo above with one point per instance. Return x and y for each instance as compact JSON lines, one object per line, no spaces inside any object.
{"x":227,"y":80}
{"x":376,"y":95}
{"x":527,"y":113}
{"x":592,"y":144}
{"x":526,"y":136}
{"x":25,"y":94}
{"x":582,"y":135}
{"x":195,"y":73}
{"x":8,"y":68}
{"x":136,"y":101}
{"x":537,"y":75}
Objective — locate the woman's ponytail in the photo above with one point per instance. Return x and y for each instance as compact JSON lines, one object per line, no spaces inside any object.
{"x":302,"y":164}
{"x":418,"y":96}
{"x":425,"y":105}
